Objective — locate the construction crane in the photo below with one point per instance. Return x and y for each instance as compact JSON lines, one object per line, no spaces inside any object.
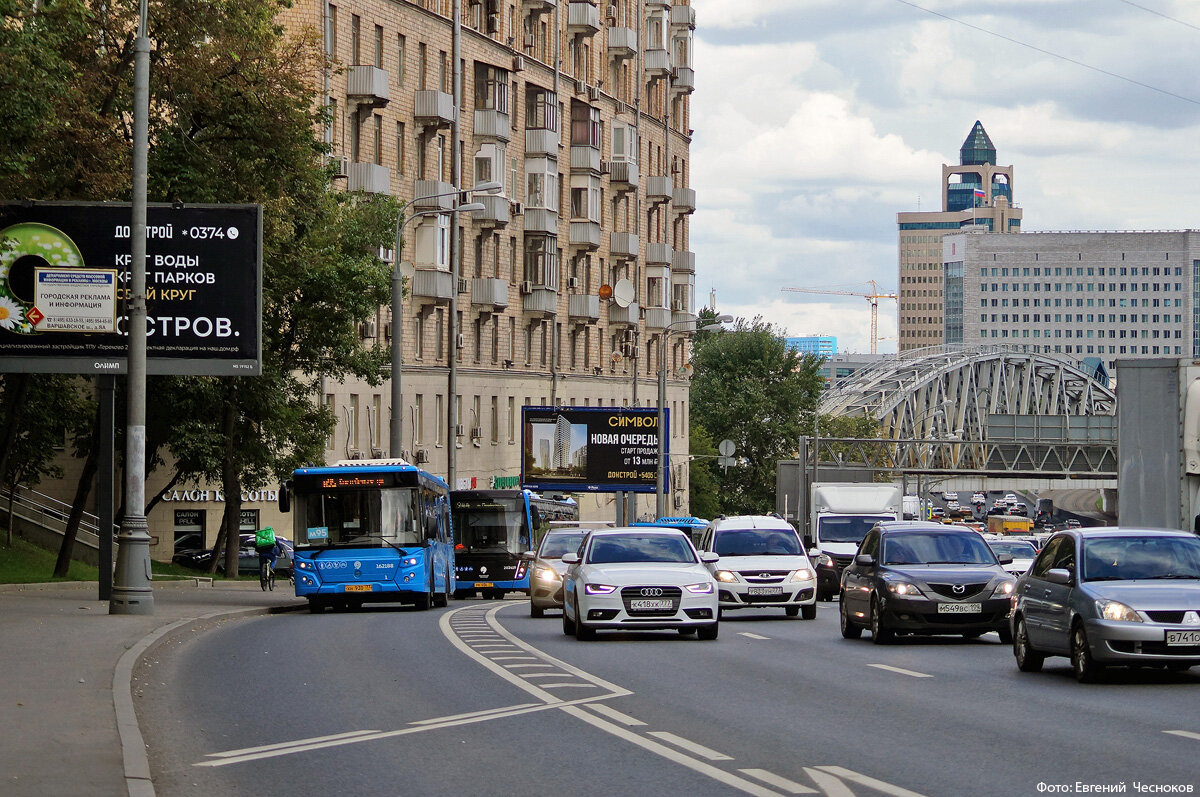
{"x":873,"y":297}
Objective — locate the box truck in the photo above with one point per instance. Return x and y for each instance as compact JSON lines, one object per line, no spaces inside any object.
{"x":841,"y":515}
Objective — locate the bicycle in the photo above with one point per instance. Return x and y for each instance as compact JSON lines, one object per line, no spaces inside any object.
{"x":266,"y":575}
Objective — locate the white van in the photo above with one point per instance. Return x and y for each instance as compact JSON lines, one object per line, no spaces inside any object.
{"x":762,"y":565}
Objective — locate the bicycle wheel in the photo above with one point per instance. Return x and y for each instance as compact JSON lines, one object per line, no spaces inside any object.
{"x":270,"y":577}
{"x":262,"y":576}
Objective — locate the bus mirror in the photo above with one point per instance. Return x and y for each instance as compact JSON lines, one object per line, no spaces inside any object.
{"x":535,"y":517}
{"x":285,"y":496}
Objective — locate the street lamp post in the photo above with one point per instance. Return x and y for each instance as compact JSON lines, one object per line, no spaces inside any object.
{"x":660,"y":480}
{"x":396,"y":425}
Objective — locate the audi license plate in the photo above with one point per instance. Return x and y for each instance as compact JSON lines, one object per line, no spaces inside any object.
{"x":658,"y":603}
{"x":764,"y":591}
{"x":358,"y":588}
{"x":960,"y":608}
{"x":479,"y":584}
{"x":1183,"y":637}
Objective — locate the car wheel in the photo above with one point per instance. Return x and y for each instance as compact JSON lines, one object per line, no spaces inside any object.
{"x":791,"y":611}
{"x":535,"y":610}
{"x":568,"y":623}
{"x":808,"y":612}
{"x":849,"y":629}
{"x":1178,"y":666}
{"x":582,"y":630}
{"x":880,"y":634}
{"x":1028,"y":659}
{"x":686,"y":631}
{"x":1005,"y":634}
{"x":709,"y":632}
{"x":1082,"y":664}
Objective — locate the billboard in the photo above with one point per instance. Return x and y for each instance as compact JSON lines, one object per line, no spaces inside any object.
{"x":590,"y":449}
{"x":64,"y":265}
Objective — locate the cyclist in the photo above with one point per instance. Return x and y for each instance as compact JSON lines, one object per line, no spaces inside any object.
{"x":267,"y":547}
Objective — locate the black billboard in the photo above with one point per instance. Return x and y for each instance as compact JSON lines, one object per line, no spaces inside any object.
{"x":591,"y":449}
{"x":203,"y":286}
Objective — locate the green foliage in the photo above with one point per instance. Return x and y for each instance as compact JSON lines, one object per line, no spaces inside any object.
{"x":40,"y":418}
{"x":703,"y":486}
{"x":25,"y":563}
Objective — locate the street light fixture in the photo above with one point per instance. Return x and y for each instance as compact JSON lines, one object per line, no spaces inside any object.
{"x":715,"y":325}
{"x":396,"y":425}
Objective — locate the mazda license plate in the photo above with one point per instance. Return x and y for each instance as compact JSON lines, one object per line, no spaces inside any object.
{"x":959,"y":608}
{"x":358,"y":588}
{"x":764,"y":591}
{"x":660,"y":603}
{"x":1183,"y":637}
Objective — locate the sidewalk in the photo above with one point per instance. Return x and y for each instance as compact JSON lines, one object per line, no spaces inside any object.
{"x":64,"y":684}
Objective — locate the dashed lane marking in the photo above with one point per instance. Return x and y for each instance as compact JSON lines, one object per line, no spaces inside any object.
{"x":1185,"y":734}
{"x":752,"y":636}
{"x":690,"y":746}
{"x":901,"y":670}
{"x":613,"y":714}
{"x":873,"y":783}
{"x":778,"y":781}
{"x":830,"y":785}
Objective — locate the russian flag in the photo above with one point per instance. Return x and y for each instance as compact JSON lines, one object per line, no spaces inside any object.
{"x":980,"y":192}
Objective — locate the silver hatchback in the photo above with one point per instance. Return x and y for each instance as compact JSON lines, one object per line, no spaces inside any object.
{"x":1110,"y":596}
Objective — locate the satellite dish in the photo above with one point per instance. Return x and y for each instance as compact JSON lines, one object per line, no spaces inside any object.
{"x":623,"y":293}
{"x":606,"y":292}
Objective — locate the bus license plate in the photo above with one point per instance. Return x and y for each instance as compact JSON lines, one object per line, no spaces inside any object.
{"x":479,"y":584}
{"x":764,"y":591}
{"x":1183,"y":637}
{"x":959,"y":608}
{"x":358,"y":588}
{"x":650,"y":604}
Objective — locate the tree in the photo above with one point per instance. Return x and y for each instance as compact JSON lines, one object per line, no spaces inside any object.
{"x":703,"y":485}
{"x":749,"y":387}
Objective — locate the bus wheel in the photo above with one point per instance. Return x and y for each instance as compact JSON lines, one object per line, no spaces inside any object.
{"x":443,"y":597}
{"x":316,"y":606}
{"x":425,"y":599}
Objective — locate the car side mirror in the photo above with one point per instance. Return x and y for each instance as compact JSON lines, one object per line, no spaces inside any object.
{"x":1058,"y":575}
{"x":570,"y":559}
{"x":528,"y":556}
{"x":708,"y":557}
{"x":814,"y":553}
{"x":1004,"y":558}
{"x":864,"y":559}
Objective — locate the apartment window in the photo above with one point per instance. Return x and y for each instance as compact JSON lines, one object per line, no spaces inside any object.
{"x":419,"y":420}
{"x":422,"y":64}
{"x":331,"y":31}
{"x":330,"y":407}
{"x":400,"y":149}
{"x":443,"y":72}
{"x":355,"y":39}
{"x":512,"y":419}
{"x":352,"y":412}
{"x":585,"y":197}
{"x":541,"y":109}
{"x":495,"y":424}
{"x":401,"y":57}
{"x":541,"y":261}
{"x":489,"y":164}
{"x":541,"y":183}
{"x":585,"y":125}
{"x":376,"y":419}
{"x":378,"y":140}
{"x":440,"y":332}
{"x":491,"y":88}
{"x":439,"y":419}
{"x":624,"y":142}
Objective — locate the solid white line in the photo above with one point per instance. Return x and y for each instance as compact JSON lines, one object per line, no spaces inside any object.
{"x":779,"y":782}
{"x":525,"y":666}
{"x":1185,"y":734}
{"x":690,"y":746}
{"x":293,"y":743}
{"x":752,"y":636}
{"x":613,"y":714}
{"x":568,"y":686}
{"x":900,"y":670}
{"x":878,"y":785}
{"x":483,"y":713}
{"x":828,"y":783}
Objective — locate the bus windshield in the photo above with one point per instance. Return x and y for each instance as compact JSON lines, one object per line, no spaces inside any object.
{"x":361,"y":518}
{"x":490,"y":525}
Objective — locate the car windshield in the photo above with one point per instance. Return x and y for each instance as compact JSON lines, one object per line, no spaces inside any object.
{"x":756,"y":542}
{"x":847,"y":529}
{"x":613,"y":548}
{"x":558,"y":543}
{"x":1140,"y":557}
{"x":936,"y":548}
{"x":1017,"y":550}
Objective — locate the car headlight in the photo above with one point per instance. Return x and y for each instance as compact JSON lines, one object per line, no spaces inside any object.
{"x":725,"y":575}
{"x":1004,"y":589}
{"x":599,"y":589}
{"x":1113,"y":610}
{"x":903,"y":588}
{"x":546,"y":574}
{"x":803,"y":574}
{"x":702,"y":588}
{"x":824,"y":560}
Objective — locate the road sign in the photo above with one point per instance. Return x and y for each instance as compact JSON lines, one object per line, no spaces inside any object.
{"x":726,"y":447}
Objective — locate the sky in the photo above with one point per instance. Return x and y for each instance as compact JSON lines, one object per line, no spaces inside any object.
{"x":817,"y":121}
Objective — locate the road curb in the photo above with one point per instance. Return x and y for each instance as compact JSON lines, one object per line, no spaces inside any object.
{"x":136,"y":763}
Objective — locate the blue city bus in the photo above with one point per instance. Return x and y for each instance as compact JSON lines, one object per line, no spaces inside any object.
{"x":373,"y":531}
{"x":494,"y":527}
{"x":693,"y":526}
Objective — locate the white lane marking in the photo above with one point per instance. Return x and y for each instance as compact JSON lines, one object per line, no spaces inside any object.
{"x":282,"y":745}
{"x":878,"y":785}
{"x":690,"y":746}
{"x":613,"y":714}
{"x":526,"y":666}
{"x":752,"y":636}
{"x":481,"y":714}
{"x":513,"y":658}
{"x":828,"y":783}
{"x":900,"y":670}
{"x":717,"y":774}
{"x":779,"y":782}
{"x":1185,"y":734}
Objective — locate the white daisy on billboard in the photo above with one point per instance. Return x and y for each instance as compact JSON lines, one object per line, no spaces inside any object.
{"x":11,"y":316}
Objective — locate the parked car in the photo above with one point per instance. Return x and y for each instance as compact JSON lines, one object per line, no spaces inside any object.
{"x":639,"y":578}
{"x":547,"y":568}
{"x":247,"y":557}
{"x":925,"y":578}
{"x":762,"y":564}
{"x":1110,"y":596}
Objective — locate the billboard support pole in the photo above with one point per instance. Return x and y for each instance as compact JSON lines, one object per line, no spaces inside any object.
{"x":107,"y":384}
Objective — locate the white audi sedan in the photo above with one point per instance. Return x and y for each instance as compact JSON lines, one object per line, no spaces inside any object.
{"x":639,"y":578}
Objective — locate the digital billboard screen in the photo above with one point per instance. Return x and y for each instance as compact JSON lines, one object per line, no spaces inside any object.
{"x":590,"y":449}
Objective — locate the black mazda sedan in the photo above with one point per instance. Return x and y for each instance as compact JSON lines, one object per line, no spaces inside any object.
{"x":925,"y":578}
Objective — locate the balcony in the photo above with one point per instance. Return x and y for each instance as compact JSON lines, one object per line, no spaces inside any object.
{"x":369,"y":178}
{"x":493,"y":124}
{"x":583,"y":309}
{"x":658,"y":318}
{"x":537,"y":7}
{"x":541,"y":221}
{"x":622,"y":43}
{"x":654,"y":5}
{"x":489,"y":292}
{"x":659,"y":189}
{"x":542,"y":300}
{"x":683,"y":17}
{"x":585,"y":158}
{"x":496,"y":210}
{"x":432,"y":285}
{"x":684,"y":81}
{"x":684,"y":261}
{"x":658,"y":63}
{"x":541,"y":142}
{"x":659,"y":254}
{"x":685,"y":200}
{"x":426,"y":188}
{"x":583,"y":18}
{"x":623,"y":175}
{"x":683,"y":321}
{"x":368,"y":85}
{"x":585,"y":234}
{"x":432,"y":108}
{"x":623,"y":244}
{"x":627,"y":316}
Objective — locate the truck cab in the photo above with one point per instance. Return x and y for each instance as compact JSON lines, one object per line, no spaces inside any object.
{"x":841,"y":515}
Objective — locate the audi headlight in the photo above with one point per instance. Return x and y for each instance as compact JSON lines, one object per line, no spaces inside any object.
{"x":803,"y":574}
{"x":703,"y":588}
{"x":1113,"y":610}
{"x":1004,"y":589}
{"x":903,"y":588}
{"x":599,"y":589}
{"x":725,"y":575}
{"x":546,"y":574}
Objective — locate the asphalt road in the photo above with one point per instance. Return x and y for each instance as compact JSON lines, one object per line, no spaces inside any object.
{"x":481,"y":699}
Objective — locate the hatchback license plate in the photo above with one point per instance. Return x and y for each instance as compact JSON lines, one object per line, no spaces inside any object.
{"x":764,"y":591}
{"x":959,"y":608}
{"x":1183,"y":637}
{"x":358,"y":588}
{"x":650,"y":604}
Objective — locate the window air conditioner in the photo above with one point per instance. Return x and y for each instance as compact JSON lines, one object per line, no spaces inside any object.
{"x":612,"y":15}
{"x":678,"y":500}
{"x":341,"y":166}
{"x":476,"y":433}
{"x":572,"y":282}
{"x":458,"y":342}
{"x":354,"y":453}
{"x":528,"y":39}
{"x":526,"y":288}
{"x":366,"y":329}
{"x":606,"y":167}
{"x":376,"y":453}
{"x":386,"y":255}
{"x":387,"y":331}
{"x":422,"y":455}
{"x":593,"y":93}
{"x":518,"y":61}
{"x":678,"y":306}
{"x":517,"y":208}
{"x":458,"y":430}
